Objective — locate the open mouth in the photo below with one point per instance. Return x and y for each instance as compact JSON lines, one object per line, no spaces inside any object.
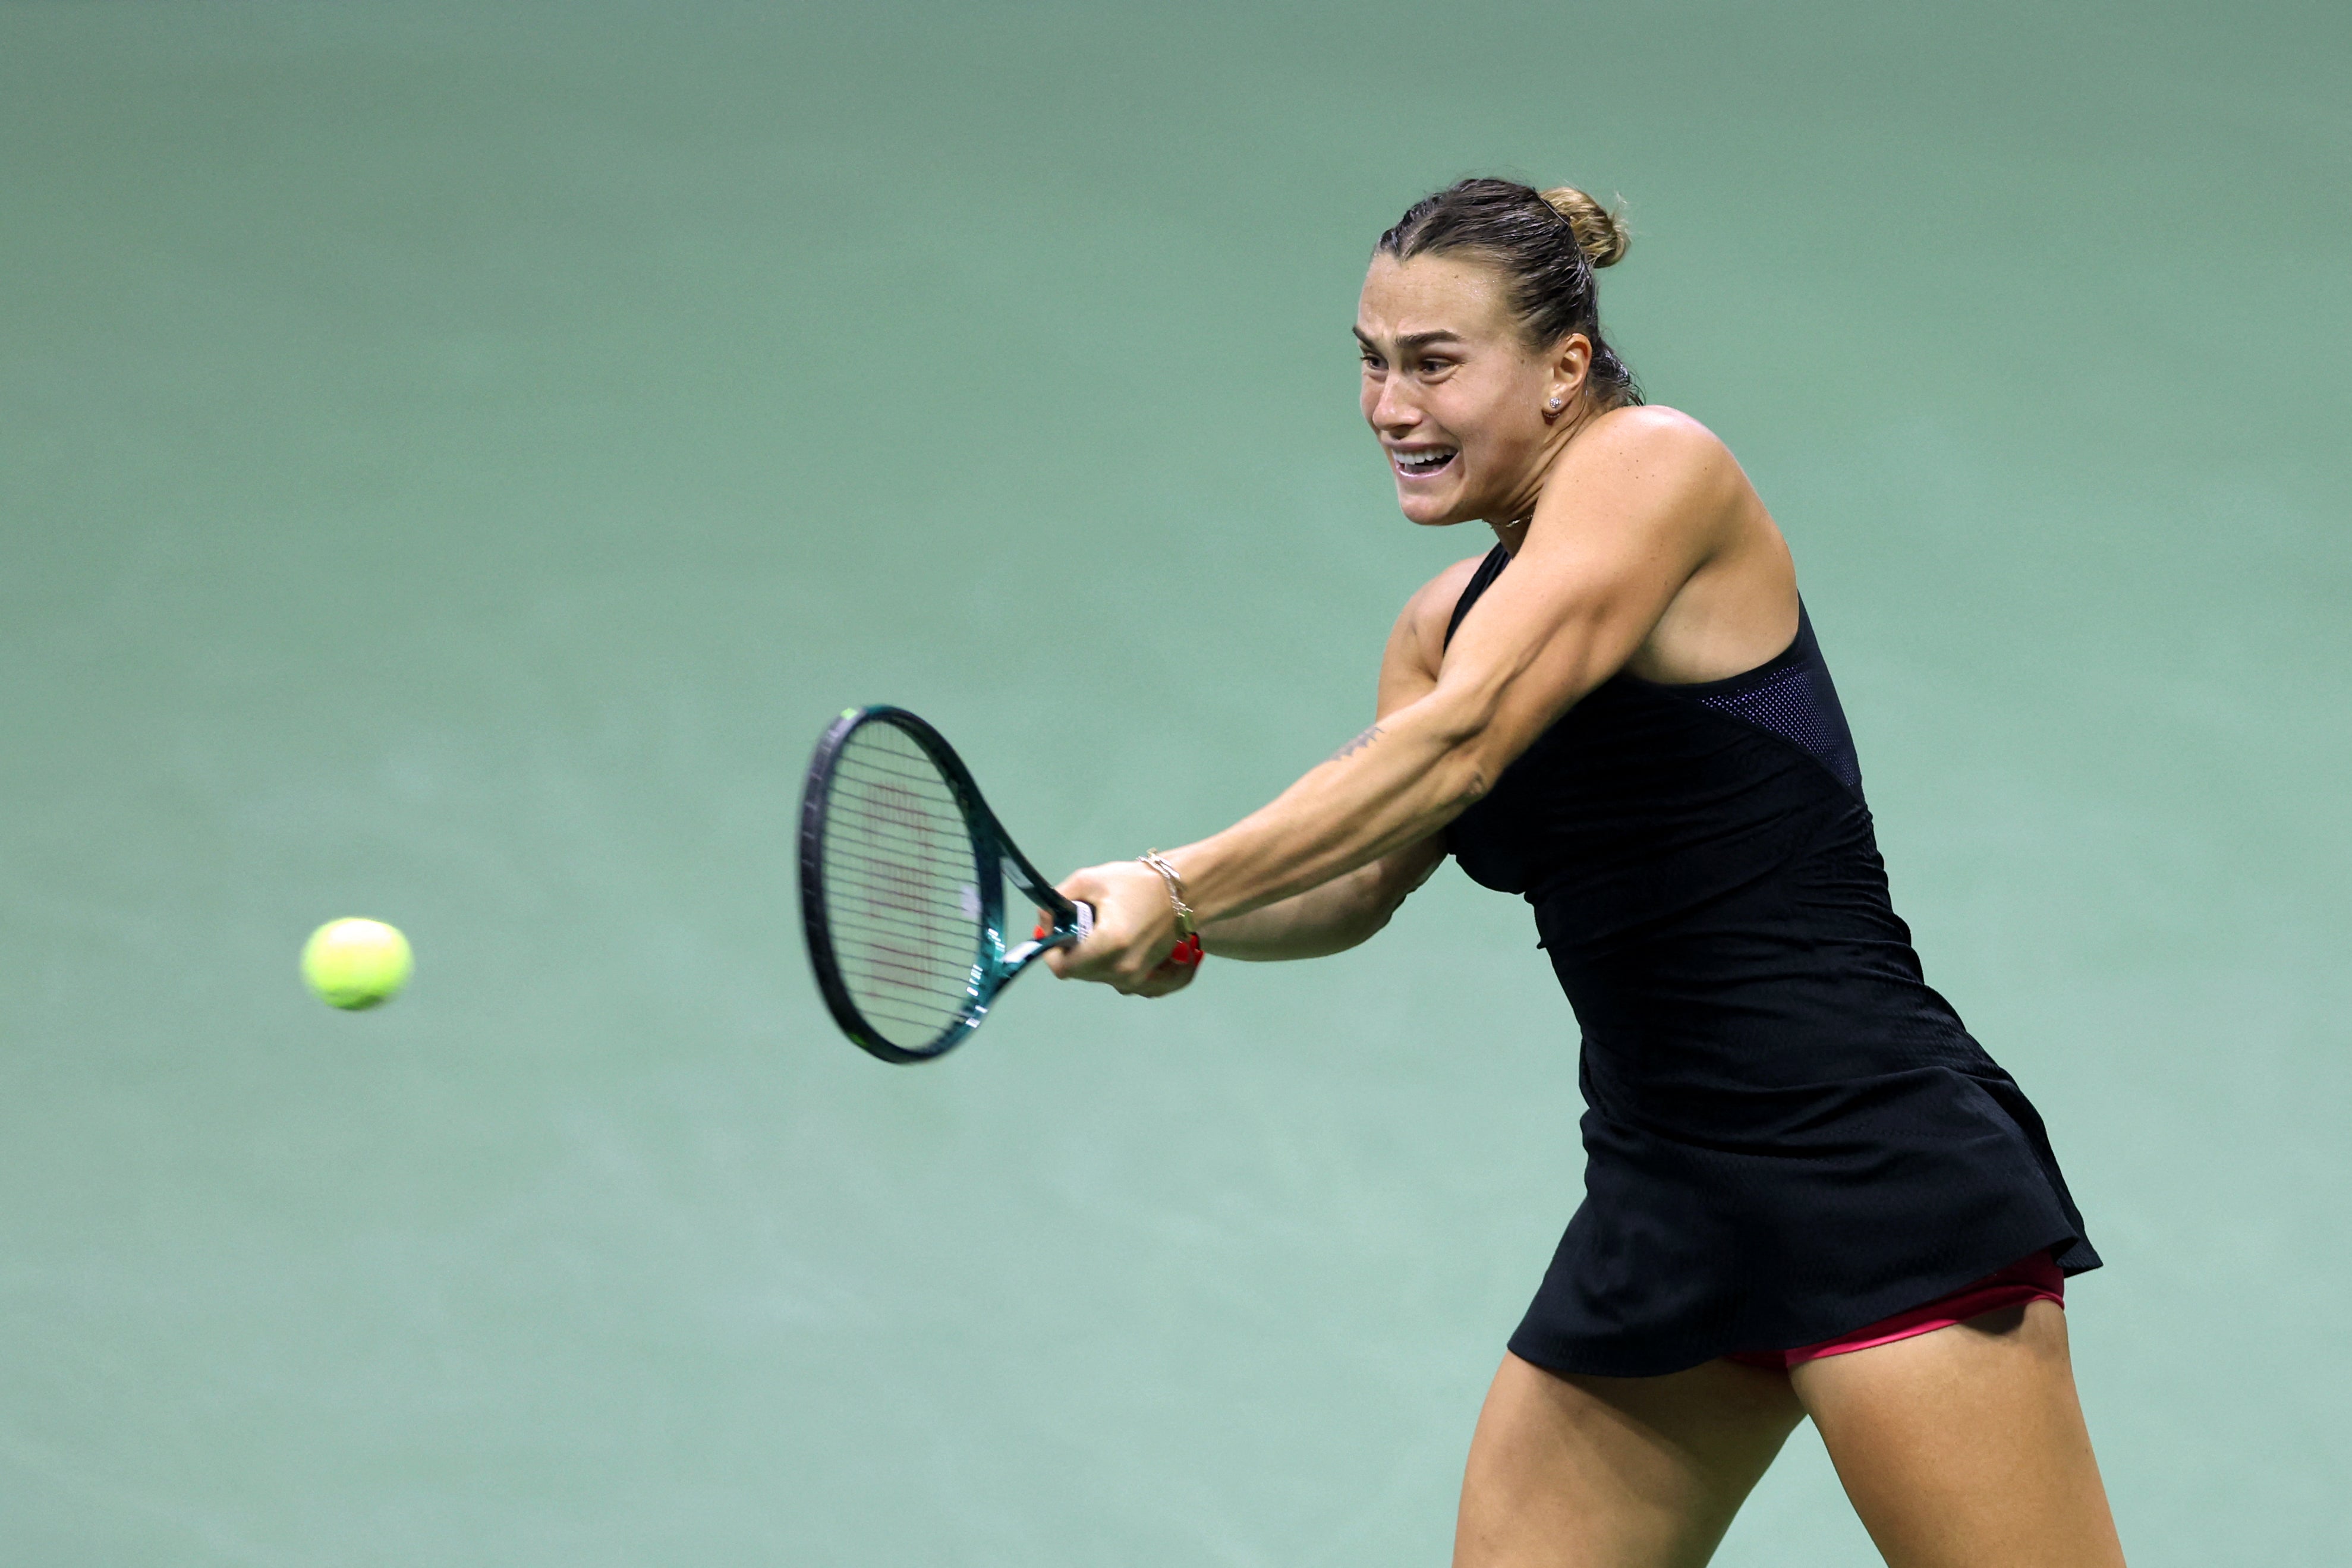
{"x":1421,"y":462}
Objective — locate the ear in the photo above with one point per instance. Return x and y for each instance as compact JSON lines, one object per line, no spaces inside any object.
{"x":1571,"y":362}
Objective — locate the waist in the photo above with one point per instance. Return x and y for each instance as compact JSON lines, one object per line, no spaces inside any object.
{"x":1860,"y":1115}
{"x":1730,"y":1002}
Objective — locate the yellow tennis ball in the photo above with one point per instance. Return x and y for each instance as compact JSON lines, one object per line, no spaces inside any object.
{"x":356,"y":964}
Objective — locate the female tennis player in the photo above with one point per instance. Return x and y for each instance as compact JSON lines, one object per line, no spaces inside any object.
{"x":1808,"y":1192}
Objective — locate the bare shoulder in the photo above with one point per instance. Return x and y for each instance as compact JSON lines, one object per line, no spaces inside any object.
{"x":1642,"y":482}
{"x":1429,"y":610}
{"x":1651,"y":445}
{"x":1418,"y":643}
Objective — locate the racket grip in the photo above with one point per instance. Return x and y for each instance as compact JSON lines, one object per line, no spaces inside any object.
{"x":1086,"y":921}
{"x":1186,"y":954}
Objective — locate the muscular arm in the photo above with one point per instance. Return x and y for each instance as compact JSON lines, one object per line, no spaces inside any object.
{"x":1642,"y":503}
{"x":1338,"y":915}
{"x":1352,"y":909}
{"x":1614,"y":540}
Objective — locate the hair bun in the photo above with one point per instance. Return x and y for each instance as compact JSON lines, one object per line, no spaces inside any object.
{"x":1601,"y":234}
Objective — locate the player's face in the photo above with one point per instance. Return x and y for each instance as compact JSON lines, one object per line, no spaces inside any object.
{"x":1452,"y":389}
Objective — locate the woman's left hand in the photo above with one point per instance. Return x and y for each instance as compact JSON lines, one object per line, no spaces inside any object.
{"x":1134,"y":936}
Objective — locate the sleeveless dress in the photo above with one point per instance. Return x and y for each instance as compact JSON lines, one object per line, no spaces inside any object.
{"x":1788,"y":1134}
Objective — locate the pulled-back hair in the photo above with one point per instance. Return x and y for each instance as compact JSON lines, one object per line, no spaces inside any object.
{"x":1546,"y":245}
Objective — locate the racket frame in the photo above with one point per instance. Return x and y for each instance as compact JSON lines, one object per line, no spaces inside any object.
{"x":995,"y":861}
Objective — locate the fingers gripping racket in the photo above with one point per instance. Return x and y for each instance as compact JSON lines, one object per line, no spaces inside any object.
{"x":903,"y":869}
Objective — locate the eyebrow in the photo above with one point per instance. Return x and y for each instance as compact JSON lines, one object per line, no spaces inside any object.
{"x":1413,"y":339}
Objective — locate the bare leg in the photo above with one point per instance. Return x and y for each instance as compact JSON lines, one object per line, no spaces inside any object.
{"x":1616,"y":1472}
{"x":1966,"y":1447}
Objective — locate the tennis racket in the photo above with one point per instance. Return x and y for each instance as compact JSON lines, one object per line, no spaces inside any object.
{"x":903,"y":869}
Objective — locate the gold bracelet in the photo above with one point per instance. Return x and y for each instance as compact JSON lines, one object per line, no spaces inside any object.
{"x":1168,"y":874}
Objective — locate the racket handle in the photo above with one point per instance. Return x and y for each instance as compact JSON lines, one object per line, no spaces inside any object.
{"x":1086,"y":921}
{"x":1187,"y":954}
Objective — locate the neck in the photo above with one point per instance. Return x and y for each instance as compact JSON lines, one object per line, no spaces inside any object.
{"x":1511,"y":527}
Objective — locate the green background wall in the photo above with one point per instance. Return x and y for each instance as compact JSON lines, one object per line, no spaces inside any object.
{"x":453,"y":458}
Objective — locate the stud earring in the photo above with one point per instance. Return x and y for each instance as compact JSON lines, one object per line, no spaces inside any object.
{"x":1553,"y":405}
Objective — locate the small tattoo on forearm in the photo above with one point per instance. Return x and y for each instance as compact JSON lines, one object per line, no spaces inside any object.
{"x":1358,"y":745}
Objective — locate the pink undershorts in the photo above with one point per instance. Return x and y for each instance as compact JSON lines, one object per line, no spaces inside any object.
{"x":2034,"y":1278}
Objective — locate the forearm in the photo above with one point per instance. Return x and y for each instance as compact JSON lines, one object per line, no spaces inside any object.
{"x":1333,"y":918}
{"x":1398,"y":783}
{"x":1313,"y":924}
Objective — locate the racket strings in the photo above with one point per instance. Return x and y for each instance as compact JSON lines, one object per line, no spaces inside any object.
{"x":902,"y":892}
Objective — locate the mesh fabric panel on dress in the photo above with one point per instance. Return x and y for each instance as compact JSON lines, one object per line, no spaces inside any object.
{"x":1789,"y":703}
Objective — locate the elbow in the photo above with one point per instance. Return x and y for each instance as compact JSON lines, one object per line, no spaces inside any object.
{"x":1468,"y":767}
{"x":1457,"y":780}
{"x":1481,"y":726}
{"x":1463,"y":779}
{"x":1368,"y":919}
{"x":1375,"y":920}
{"x":1375,"y":893}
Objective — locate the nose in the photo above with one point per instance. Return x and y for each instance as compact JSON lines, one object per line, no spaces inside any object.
{"x":1392,"y":410}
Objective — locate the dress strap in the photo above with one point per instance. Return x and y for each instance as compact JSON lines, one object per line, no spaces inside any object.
{"x":1483,"y":579}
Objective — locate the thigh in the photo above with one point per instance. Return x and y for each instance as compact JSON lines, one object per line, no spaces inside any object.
{"x":1616,"y":1472}
{"x":1967,"y":1446}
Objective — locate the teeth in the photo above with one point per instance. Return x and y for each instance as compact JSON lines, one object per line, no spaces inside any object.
{"x":1423,"y":459}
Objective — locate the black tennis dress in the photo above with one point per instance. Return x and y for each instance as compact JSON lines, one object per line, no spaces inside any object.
{"x":1788,"y":1134}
